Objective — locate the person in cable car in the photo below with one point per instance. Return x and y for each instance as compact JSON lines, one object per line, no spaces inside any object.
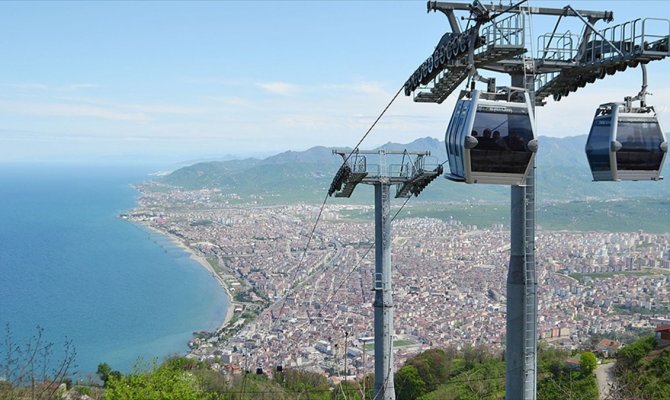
{"x":505,"y":149}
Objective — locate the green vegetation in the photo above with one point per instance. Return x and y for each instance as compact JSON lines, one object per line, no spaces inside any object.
{"x":604,"y":275}
{"x":613,"y":216}
{"x":640,"y":310}
{"x":214,"y":262}
{"x":628,"y":335}
{"x":567,"y":197}
{"x":172,"y":380}
{"x":201,"y":222}
{"x":185,"y":379}
{"x":105,"y":373}
{"x":474,"y":373}
{"x":559,"y":380}
{"x":30,"y":370}
{"x":587,"y":363}
{"x":396,"y":343}
{"x":643,"y":372}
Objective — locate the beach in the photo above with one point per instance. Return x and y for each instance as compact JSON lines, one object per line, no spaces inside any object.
{"x":205,"y":264}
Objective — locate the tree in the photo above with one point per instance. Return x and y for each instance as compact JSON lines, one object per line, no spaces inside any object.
{"x":29,"y":370}
{"x":630,"y":355}
{"x":642,"y":373}
{"x":164,"y":382}
{"x":300,"y":381}
{"x":433,"y":366}
{"x":408,"y":383}
{"x":105,"y":372}
{"x":587,"y":363}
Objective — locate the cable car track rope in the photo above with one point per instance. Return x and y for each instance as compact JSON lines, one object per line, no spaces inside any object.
{"x":360,"y":261}
{"x":325,"y":200}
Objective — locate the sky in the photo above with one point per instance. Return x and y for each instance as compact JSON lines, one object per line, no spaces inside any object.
{"x":177,"y":81}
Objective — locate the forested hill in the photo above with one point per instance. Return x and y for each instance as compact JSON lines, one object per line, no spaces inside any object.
{"x":643,"y":370}
{"x":562,"y":175}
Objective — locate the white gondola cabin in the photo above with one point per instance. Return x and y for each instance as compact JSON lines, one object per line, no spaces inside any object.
{"x":491,"y":137}
{"x":625,"y":144}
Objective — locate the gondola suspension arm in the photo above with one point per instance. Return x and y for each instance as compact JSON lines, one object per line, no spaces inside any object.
{"x":642,"y":95}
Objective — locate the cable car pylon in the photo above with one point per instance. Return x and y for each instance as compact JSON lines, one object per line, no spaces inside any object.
{"x":497,"y":42}
{"x":410,"y":177}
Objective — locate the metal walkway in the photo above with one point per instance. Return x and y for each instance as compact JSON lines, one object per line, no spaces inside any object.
{"x":565,"y":62}
{"x":604,"y":53}
{"x":502,"y":40}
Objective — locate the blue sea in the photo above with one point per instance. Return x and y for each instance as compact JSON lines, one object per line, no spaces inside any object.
{"x":71,"y":266}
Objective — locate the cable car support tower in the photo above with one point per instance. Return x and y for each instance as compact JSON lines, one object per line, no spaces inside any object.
{"x":410,"y":177}
{"x":498,"y":41}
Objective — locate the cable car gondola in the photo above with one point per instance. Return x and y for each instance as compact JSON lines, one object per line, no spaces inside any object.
{"x":626,"y":143}
{"x":491,"y":137}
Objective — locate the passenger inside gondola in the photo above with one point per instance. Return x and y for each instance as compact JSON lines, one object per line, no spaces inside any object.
{"x":486,"y":141}
{"x":640,"y":145}
{"x":503,"y":146}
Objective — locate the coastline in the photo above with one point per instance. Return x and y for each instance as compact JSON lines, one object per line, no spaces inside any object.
{"x":206,"y":265}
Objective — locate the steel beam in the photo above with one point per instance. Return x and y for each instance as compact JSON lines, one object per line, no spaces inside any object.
{"x":444,"y":6}
{"x":383,"y":303}
{"x":521,"y":329}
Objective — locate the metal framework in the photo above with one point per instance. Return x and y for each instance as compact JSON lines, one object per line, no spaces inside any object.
{"x":411,"y":177}
{"x":564,"y":62}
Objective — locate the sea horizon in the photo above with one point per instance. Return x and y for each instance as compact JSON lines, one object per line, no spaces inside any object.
{"x":70,"y":265}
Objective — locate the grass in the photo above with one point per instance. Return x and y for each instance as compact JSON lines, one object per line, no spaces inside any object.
{"x":396,"y":343}
{"x":640,"y":310}
{"x":214,"y":262}
{"x":649,"y":215}
{"x":605,"y":275}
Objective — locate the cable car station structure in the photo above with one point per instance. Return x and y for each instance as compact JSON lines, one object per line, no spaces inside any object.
{"x":499,"y":41}
{"x":410,"y":177}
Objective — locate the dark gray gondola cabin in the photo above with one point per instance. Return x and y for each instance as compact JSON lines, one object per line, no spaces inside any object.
{"x":491,"y":138}
{"x":625,"y":144}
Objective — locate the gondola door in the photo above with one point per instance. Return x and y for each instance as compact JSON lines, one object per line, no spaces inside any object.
{"x":457,"y":137}
{"x":600,"y":142}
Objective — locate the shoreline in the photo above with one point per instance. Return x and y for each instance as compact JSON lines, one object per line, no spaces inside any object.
{"x":206,"y":265}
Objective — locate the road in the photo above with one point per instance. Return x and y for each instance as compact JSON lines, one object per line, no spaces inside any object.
{"x":604,"y":376}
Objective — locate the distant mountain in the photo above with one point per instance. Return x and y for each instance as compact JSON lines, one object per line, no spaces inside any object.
{"x":562,"y":175}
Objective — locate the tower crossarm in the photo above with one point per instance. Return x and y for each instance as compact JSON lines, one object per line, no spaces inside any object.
{"x":603,"y":53}
{"x":496,"y":42}
{"x":411,"y":177}
{"x":445,"y":6}
{"x":418,"y":177}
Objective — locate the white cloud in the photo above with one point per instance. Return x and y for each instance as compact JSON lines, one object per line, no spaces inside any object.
{"x":281,"y":88}
{"x":370,"y":88}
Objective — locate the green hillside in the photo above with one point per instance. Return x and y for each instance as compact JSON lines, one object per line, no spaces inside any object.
{"x":562,"y":175}
{"x":643,"y":370}
{"x":567,"y":198}
{"x":436,"y":374}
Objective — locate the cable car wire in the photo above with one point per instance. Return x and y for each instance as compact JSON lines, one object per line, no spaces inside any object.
{"x":360,"y":260}
{"x":325,"y":200}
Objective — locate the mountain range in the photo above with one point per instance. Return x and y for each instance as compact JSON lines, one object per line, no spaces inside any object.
{"x":562,"y":176}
